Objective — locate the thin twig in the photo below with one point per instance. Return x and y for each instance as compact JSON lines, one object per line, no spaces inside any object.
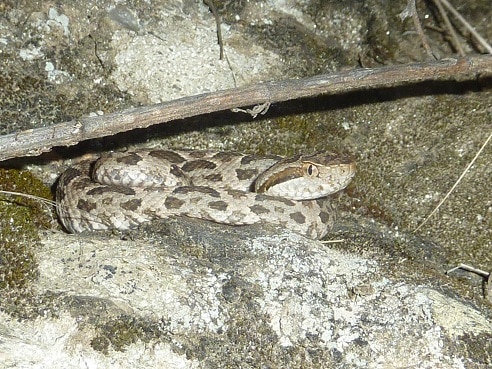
{"x":455,"y":41}
{"x":411,"y":11}
{"x":456,"y":183}
{"x":471,"y":269}
{"x":487,"y":284}
{"x":35,"y":141}
{"x":468,"y":26}
{"x":332,"y":241}
{"x":212,"y":7}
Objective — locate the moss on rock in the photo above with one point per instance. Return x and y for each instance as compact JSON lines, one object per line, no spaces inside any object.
{"x":21,"y":219}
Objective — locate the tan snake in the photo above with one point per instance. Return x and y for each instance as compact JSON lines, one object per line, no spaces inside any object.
{"x":122,"y":190}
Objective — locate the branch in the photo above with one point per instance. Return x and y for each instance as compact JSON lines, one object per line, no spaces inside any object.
{"x":35,"y":141}
{"x":411,"y":11}
{"x":454,"y":37}
{"x":468,"y":26}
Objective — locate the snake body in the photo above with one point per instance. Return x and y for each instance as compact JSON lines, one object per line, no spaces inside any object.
{"x":122,"y":190}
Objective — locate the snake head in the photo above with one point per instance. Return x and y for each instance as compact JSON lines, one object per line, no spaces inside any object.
{"x":306,"y":177}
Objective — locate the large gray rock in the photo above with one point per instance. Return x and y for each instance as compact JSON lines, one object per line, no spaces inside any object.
{"x":196,"y":294}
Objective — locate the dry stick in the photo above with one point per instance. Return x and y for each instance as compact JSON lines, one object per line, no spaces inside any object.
{"x":411,"y":11}
{"x":455,"y":184}
{"x":36,"y":141}
{"x":471,"y":269}
{"x":468,"y":26}
{"x":213,"y":8}
{"x":487,"y":286}
{"x":450,"y":27}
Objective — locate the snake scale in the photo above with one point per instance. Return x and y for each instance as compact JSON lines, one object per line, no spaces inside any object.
{"x":122,"y":190}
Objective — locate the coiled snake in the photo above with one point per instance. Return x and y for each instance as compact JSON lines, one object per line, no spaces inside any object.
{"x":122,"y":190}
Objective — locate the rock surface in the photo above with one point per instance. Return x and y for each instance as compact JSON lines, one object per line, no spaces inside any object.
{"x":205,"y":295}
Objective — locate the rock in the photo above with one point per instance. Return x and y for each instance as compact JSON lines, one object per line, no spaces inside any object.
{"x":184,"y":293}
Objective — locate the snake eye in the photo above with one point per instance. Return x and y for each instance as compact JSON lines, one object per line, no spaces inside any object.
{"x":311,"y":170}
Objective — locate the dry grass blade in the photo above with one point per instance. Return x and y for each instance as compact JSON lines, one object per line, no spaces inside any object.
{"x":33,"y":197}
{"x":455,"y":184}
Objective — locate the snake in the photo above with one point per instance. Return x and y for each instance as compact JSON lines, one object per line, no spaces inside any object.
{"x":122,"y":190}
